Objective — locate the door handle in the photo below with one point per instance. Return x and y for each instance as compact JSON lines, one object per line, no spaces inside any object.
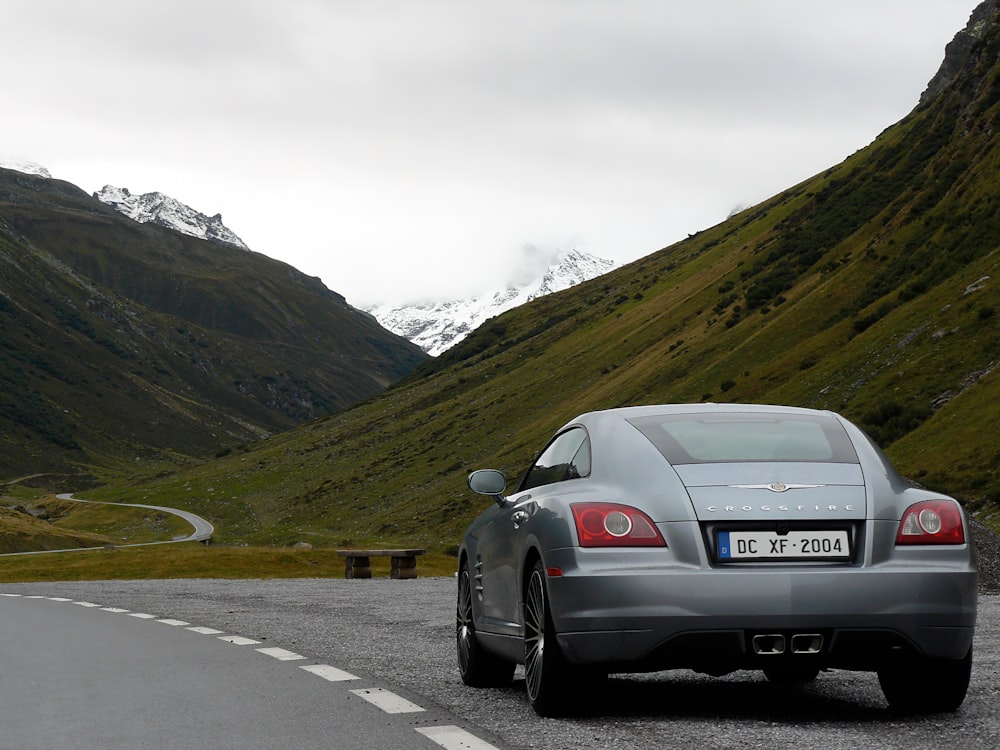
{"x":518,"y":518}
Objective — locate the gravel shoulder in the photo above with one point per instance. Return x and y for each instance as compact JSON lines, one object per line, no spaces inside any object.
{"x":402,"y":632}
{"x":987,"y":544}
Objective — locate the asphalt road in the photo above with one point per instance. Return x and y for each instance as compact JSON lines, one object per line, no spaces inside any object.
{"x":76,"y":674}
{"x":398,"y":635}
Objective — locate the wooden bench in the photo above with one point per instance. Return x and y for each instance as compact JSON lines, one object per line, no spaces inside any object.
{"x":359,"y":563}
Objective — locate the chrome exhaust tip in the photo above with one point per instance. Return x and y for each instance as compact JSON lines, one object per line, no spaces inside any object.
{"x":807,"y":643}
{"x":771,"y":643}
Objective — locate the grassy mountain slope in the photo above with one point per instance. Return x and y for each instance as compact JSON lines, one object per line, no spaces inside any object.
{"x":871,"y":289}
{"x":123,"y":342}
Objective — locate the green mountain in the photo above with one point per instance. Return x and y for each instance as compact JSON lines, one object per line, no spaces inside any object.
{"x":128,"y":343}
{"x":870,"y":289}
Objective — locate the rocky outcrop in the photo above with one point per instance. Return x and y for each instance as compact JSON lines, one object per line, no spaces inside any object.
{"x":959,"y":49}
{"x":157,"y":208}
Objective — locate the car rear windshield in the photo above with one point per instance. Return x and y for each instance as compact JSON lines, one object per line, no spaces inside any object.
{"x":747,"y":437}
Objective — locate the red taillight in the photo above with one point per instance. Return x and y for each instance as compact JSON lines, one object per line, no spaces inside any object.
{"x":613,"y":525}
{"x":932,"y":522}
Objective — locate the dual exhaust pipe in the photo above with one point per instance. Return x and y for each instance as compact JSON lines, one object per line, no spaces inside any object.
{"x":767,"y":644}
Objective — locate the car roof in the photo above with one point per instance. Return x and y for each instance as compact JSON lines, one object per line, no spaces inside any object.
{"x":630,"y":412}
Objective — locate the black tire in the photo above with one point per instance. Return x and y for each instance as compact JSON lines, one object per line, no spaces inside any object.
{"x":789,"y":674}
{"x":921,"y":685}
{"x":478,"y":667}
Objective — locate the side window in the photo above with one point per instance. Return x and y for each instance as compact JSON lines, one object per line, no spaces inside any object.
{"x":566,"y":457}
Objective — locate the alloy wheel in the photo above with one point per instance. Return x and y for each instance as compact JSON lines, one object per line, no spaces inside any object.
{"x":534,"y":635}
{"x":463,"y":621}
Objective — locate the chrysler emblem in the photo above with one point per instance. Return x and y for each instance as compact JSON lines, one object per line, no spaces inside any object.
{"x":774,"y":486}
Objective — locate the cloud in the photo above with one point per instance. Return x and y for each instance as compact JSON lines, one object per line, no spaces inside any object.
{"x":400,"y":149}
{"x":532,"y":264}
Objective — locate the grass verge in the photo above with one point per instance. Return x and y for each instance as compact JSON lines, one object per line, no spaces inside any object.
{"x":195,"y":560}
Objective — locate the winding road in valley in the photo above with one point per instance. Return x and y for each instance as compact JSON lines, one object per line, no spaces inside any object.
{"x":202,"y":530}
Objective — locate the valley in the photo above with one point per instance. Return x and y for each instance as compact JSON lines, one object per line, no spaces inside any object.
{"x":255,"y":397}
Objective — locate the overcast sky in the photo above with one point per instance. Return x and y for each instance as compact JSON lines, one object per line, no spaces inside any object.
{"x":409,"y":149}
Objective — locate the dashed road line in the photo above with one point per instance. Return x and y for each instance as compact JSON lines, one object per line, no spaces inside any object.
{"x":454,"y":738}
{"x":331,"y":674}
{"x":141,"y":616}
{"x":388,"y":701}
{"x":88,"y":605}
{"x":116,"y":610}
{"x":175,"y":623}
{"x":204,"y":631}
{"x":239,"y":640}
{"x":280,"y":654}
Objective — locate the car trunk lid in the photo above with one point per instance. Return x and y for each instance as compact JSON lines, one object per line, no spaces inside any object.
{"x":775,"y":491}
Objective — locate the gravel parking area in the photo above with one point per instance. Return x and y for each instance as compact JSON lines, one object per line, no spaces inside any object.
{"x":402,"y":632}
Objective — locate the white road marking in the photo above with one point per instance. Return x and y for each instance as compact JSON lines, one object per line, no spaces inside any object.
{"x":448,"y":737}
{"x":387,"y":701}
{"x":454,"y":738}
{"x":239,"y":640}
{"x":329,"y":673}
{"x":205,"y":631}
{"x":280,"y":654}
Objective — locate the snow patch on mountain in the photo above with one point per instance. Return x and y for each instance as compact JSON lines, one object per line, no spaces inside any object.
{"x":28,"y":167}
{"x":437,"y":326}
{"x":157,"y":208}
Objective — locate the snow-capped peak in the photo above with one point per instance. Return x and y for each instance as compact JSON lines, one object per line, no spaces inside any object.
{"x":437,"y":326}
{"x":161,"y":209}
{"x":28,"y":167}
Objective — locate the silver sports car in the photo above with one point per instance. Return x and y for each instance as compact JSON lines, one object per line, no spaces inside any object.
{"x":716,"y":538}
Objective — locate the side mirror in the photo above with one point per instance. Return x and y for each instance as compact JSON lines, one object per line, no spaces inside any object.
{"x":489,"y":482}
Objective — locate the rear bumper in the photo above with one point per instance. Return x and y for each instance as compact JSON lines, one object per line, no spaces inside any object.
{"x":647,"y":617}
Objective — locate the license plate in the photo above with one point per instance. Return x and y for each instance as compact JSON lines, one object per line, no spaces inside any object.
{"x":795,"y":545}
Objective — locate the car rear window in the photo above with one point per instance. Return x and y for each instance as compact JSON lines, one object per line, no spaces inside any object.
{"x":747,"y":437}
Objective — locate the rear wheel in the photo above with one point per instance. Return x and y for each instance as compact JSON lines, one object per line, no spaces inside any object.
{"x":925,"y":685}
{"x":555,"y":687}
{"x":478,"y":667}
{"x":544,"y":668}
